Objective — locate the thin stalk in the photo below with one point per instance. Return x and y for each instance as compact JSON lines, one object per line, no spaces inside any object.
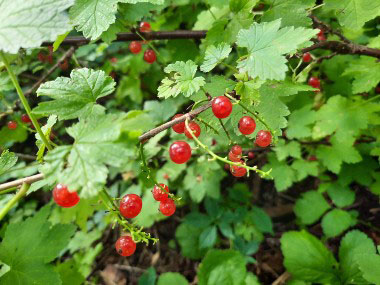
{"x":217,"y":157}
{"x":148,"y":43}
{"x":207,"y":125}
{"x":365,"y":102}
{"x":14,"y":200}
{"x":233,"y":68}
{"x":8,"y":190}
{"x":225,"y":130}
{"x":24,"y":101}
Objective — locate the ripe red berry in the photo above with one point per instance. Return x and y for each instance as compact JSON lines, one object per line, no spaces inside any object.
{"x":113,"y":59}
{"x":251,"y":155}
{"x":159,"y":194}
{"x":125,"y":246}
{"x":63,"y":197}
{"x":167,"y":207}
{"x":233,"y":157}
{"x":321,"y":35}
{"x":64,"y":65}
{"x":238,"y":171}
{"x":214,"y":142}
{"x":180,"y":152}
{"x":263,"y":138}
{"x":180,"y":127}
{"x":150,"y":56}
{"x":236,"y":149}
{"x":306,"y":57}
{"x":247,"y":125}
{"x":312,"y":158}
{"x":130,"y":206}
{"x":314,"y":82}
{"x":12,"y":125}
{"x":135,"y":47}
{"x":25,"y":118}
{"x":195,"y":128}
{"x":221,"y":107}
{"x":41,"y":57}
{"x":321,"y":38}
{"x":145,"y":27}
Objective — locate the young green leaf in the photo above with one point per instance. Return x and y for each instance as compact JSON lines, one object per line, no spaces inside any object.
{"x":284,"y":150}
{"x":310,"y":207}
{"x":215,"y":55}
{"x":46,"y":129}
{"x":172,"y":278}
{"x":369,"y":265}
{"x":75,"y":96}
{"x":7,"y":161}
{"x":336,"y":222}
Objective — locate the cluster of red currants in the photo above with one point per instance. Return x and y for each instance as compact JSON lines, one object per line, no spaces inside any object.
{"x":12,"y":125}
{"x":180,"y":151}
{"x":136,"y":46}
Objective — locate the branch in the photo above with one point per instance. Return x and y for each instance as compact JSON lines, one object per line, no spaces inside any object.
{"x":319,"y":24}
{"x":125,"y":37}
{"x":28,"y":180}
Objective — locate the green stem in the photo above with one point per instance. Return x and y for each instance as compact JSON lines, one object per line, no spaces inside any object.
{"x":365,"y":102}
{"x":207,"y":124}
{"x":8,"y":190}
{"x":14,"y":200}
{"x":148,"y":43}
{"x":225,"y":130}
{"x":233,"y":68}
{"x":217,"y":157}
{"x":24,"y":101}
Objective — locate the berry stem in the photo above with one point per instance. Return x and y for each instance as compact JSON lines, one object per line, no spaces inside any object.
{"x":225,"y":130}
{"x":24,"y":101}
{"x":217,"y":157}
{"x":148,"y":43}
{"x":207,"y":125}
{"x":24,"y":188}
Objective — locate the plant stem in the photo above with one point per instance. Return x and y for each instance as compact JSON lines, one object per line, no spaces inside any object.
{"x":225,"y":130}
{"x":24,"y":101}
{"x":8,"y":190}
{"x":215,"y":156}
{"x":14,"y":200}
{"x":233,"y":68}
{"x":149,"y":44}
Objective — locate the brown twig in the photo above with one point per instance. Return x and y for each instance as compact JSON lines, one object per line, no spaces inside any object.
{"x":282,"y":278}
{"x":18,"y":182}
{"x":319,"y":24}
{"x":26,"y":156}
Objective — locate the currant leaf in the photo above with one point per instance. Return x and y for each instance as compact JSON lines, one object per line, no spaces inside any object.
{"x":215,"y":55}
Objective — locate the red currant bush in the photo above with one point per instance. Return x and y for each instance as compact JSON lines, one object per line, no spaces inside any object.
{"x":145,"y":27}
{"x":159,"y":194}
{"x":180,"y":152}
{"x":167,"y":207}
{"x":12,"y":125}
{"x":135,"y":47}
{"x":221,"y":107}
{"x":238,"y":171}
{"x":180,"y":127}
{"x":306,"y":57}
{"x":263,"y":138}
{"x":150,"y":56}
{"x":125,"y":246}
{"x":314,"y":82}
{"x":25,"y":118}
{"x":195,"y":128}
{"x":130,"y":206}
{"x":247,"y":125}
{"x":63,"y":197}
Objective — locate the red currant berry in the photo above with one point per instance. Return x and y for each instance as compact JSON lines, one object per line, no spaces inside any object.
{"x":214,"y":142}
{"x":135,"y":47}
{"x":233,"y":157}
{"x":247,"y":125}
{"x":41,"y":57}
{"x":145,"y":27}
{"x":167,"y":207}
{"x":221,"y":107}
{"x":113,"y":59}
{"x":180,"y":127}
{"x":314,"y":82}
{"x":321,"y":38}
{"x":12,"y":125}
{"x":251,"y":155}
{"x":236,"y":150}
{"x":312,"y":158}
{"x":130,"y":206}
{"x":49,"y":59}
{"x":306,"y":57}
{"x":238,"y":171}
{"x":150,"y":56}
{"x":159,"y":194}
{"x":180,"y":152}
{"x":125,"y":246}
{"x":195,"y":128}
{"x":64,"y":65}
{"x":166,"y":176}
{"x":63,"y":197}
{"x":25,"y":118}
{"x":263,"y":138}
{"x":321,"y":32}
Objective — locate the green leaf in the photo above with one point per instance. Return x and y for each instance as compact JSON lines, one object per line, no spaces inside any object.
{"x":29,"y":264}
{"x":182,"y":80}
{"x":75,"y":96}
{"x":207,"y":238}
{"x":69,"y":274}
{"x":310,"y":207}
{"x":188,"y":239}
{"x":93,"y":17}
{"x":261,"y":220}
{"x":284,"y":150}
{"x":291,"y":12}
{"x":237,"y":5}
{"x":353,"y":244}
{"x":46,"y":129}
{"x":59,"y":40}
{"x":266,"y":44}
{"x":336,"y":222}
{"x":149,"y":277}
{"x":342,"y":196}
{"x":155,"y":2}
{"x":172,"y":278}
{"x":26,"y":24}
{"x":225,"y":267}
{"x":305,"y":168}
{"x":369,"y":264}
{"x":306,"y":258}
{"x":7,"y":161}
{"x":284,"y":175}
{"x":354,"y":13}
{"x":96,"y":145}
{"x":300,"y":123}
{"x":215,"y":55}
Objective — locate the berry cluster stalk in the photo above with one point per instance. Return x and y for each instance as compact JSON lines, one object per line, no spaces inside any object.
{"x":24,"y":188}
{"x":215,"y":156}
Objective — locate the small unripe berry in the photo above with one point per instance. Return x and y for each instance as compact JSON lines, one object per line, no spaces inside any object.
{"x":167,"y":207}
{"x":125,"y":246}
